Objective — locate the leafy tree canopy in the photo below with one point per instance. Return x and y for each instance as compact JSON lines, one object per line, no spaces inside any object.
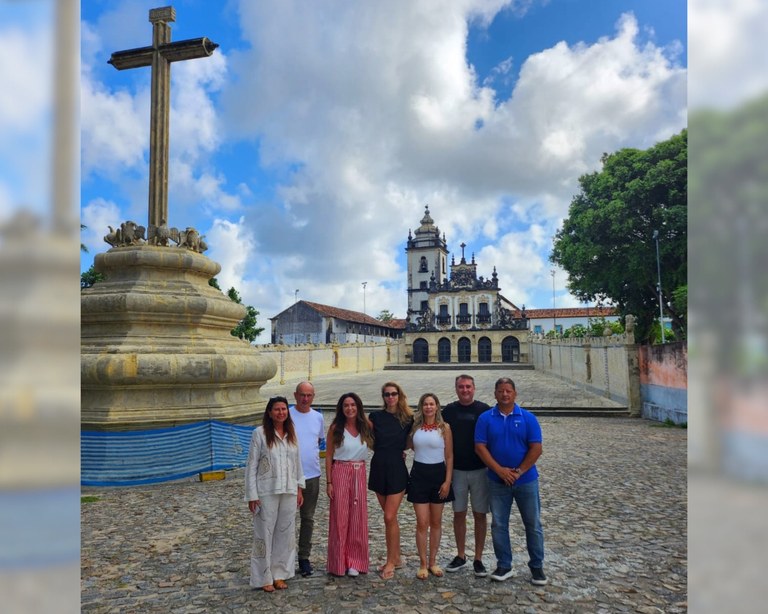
{"x":246,"y":328}
{"x":385,"y":316}
{"x":606,"y":243}
{"x":90,"y":277}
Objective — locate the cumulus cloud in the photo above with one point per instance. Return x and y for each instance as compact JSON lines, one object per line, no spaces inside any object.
{"x":97,"y":216}
{"x":115,"y":121}
{"x":369,"y":118}
{"x":368,"y":101}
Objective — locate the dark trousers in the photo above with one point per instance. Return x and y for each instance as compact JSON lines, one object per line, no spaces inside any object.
{"x":307,"y":516}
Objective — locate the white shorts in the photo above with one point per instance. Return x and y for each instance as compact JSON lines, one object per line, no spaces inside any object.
{"x":474,"y":485}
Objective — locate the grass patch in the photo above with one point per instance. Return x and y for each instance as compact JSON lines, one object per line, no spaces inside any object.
{"x":89,"y":498}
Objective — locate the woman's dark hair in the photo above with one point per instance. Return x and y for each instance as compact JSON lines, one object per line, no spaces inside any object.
{"x":339,"y":420}
{"x":269,"y":425}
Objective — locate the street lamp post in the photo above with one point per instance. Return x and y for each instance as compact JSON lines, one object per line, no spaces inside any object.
{"x":658,"y":286}
{"x":554,"y":314}
{"x":365,"y":283}
{"x":295,"y":317}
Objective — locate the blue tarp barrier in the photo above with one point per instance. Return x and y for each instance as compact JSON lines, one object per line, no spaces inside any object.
{"x":159,"y":455}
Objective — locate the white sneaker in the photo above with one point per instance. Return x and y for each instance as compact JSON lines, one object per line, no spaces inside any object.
{"x":352,"y":572}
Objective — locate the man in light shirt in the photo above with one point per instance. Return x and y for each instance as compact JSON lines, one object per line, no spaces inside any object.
{"x":310,"y":429}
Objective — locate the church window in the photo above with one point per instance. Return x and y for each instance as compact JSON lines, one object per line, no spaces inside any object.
{"x":442,"y":316}
{"x":464,"y":317}
{"x":423,"y":265}
{"x":483,"y":316}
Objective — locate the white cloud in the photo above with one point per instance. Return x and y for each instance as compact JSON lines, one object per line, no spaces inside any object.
{"x":232,"y":246}
{"x":97,"y":216}
{"x":115,"y":129}
{"x":367,"y":111}
{"x":115,"y":121}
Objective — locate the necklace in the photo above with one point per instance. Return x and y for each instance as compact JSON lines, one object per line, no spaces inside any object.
{"x":429,"y":427}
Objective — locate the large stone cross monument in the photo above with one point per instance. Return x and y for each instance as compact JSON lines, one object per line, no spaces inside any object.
{"x":159,"y":56}
{"x":155,"y":336}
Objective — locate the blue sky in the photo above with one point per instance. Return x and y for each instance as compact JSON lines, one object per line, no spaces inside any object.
{"x":308,"y":145}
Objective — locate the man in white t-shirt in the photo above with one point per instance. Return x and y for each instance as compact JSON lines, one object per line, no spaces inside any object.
{"x":310,"y":429}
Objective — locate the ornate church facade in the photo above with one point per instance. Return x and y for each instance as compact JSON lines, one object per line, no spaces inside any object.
{"x":454,"y":316}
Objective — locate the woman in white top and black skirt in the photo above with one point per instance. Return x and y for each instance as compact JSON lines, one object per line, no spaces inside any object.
{"x":349,"y":438}
{"x":429,"y":485}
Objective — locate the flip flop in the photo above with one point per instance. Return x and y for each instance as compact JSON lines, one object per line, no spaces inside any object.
{"x":280,"y":585}
{"x":422,"y":574}
{"x":436,"y":571}
{"x":387,"y":574}
{"x":399,"y":565}
{"x":268,"y":588}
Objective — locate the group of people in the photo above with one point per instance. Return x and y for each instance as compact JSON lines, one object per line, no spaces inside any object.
{"x":466,"y":452}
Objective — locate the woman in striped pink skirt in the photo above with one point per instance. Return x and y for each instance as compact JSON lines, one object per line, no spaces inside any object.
{"x":349,"y":438}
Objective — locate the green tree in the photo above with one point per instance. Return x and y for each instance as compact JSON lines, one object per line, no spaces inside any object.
{"x":90,"y":277}
{"x":246,"y":328}
{"x":385,"y":316}
{"x":597,"y":327}
{"x":606,"y":243}
{"x":577,"y":330}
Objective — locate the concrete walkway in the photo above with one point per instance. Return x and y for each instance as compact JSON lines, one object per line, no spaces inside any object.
{"x":613,"y":510}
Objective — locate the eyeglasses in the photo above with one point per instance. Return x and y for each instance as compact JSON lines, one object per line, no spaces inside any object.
{"x":389,"y":394}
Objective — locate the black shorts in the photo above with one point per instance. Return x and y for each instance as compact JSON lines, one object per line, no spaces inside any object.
{"x":388,"y":474}
{"x":425,"y":481}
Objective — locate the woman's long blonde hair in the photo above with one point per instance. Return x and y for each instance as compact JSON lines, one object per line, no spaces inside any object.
{"x":419,"y":417}
{"x":403,"y":412}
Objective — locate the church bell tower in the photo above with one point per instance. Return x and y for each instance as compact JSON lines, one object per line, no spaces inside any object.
{"x":427,"y":264}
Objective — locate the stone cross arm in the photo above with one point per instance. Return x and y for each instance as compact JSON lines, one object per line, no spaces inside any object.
{"x":173,"y":52}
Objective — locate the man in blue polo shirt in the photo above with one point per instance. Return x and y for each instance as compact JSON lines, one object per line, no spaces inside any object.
{"x":508,"y":440}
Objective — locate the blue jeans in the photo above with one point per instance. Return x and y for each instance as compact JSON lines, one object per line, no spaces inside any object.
{"x":527,"y":498}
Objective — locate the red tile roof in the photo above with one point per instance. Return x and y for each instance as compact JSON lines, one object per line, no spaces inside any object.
{"x":351,"y":316}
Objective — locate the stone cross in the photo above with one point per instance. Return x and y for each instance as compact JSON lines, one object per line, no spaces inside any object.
{"x":159,"y":56}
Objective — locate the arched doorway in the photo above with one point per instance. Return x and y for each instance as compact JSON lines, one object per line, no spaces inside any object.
{"x":484,"y":350}
{"x":444,"y":350}
{"x":464,"y":350}
{"x":420,"y":350}
{"x":510,"y":350}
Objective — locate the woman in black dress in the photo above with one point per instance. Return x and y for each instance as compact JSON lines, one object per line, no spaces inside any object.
{"x":389,"y":476}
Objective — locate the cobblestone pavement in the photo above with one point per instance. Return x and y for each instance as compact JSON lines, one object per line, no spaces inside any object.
{"x":613,"y":510}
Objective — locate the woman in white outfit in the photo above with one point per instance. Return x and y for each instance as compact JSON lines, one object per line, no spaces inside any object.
{"x":274,"y":481}
{"x":429,"y":484}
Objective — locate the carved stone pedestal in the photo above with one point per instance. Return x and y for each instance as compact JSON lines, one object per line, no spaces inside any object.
{"x":156,"y":347}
